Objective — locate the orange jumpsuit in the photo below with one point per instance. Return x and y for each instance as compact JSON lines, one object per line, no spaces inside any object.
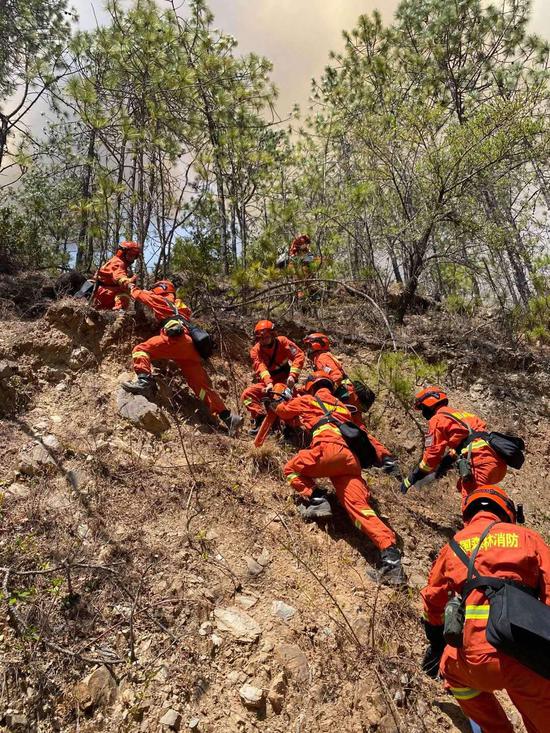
{"x":112,"y":290}
{"x":329,"y":456}
{"x":446,"y":433}
{"x":475,"y":671}
{"x":178,"y":348}
{"x":272,"y":366}
{"x":327,"y":365}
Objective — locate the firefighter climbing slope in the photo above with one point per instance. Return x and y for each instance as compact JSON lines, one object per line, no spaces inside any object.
{"x":113,"y":278}
{"x":496,"y":548}
{"x":454,"y":438}
{"x":329,"y":456}
{"x":275,"y":360}
{"x":174,"y":342}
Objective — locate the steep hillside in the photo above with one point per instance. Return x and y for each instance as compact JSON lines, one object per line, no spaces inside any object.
{"x":156,"y":583}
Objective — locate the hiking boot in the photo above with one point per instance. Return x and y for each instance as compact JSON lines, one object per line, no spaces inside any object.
{"x":232,"y":421}
{"x":318,"y":506}
{"x":256,"y":425}
{"x":390,"y":571}
{"x":145,"y":385}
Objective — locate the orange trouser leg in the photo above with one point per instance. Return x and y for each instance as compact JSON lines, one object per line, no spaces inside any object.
{"x":529,"y":692}
{"x":353,"y":494}
{"x":104,"y":298}
{"x":251,"y":398}
{"x":182,"y":351}
{"x":487,"y":468}
{"x":472,"y":685}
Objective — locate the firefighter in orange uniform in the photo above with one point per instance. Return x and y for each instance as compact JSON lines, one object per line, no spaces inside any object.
{"x":276,"y":360}
{"x":327,"y":365}
{"x":473,"y":672}
{"x":113,"y":279}
{"x":446,"y":445}
{"x":179,"y":347}
{"x":330,"y":456}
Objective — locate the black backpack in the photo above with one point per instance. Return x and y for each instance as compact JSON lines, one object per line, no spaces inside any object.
{"x":518,"y":624}
{"x":356,"y":439}
{"x":509,"y":447}
{"x":202,"y":341}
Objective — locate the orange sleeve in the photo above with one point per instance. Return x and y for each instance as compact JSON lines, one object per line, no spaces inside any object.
{"x":438,"y":591}
{"x":292,"y":409}
{"x":327,"y":366}
{"x":260,"y":368}
{"x":143,"y":296}
{"x":295,"y":355}
{"x":435,"y":444}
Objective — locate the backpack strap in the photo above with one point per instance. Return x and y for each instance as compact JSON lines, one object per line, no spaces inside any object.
{"x":274,"y":355}
{"x":473,"y":575}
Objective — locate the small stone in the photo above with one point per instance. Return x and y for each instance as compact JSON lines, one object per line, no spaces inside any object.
{"x":97,"y":689}
{"x":194,"y":723}
{"x":17,"y":491}
{"x":52,"y":443}
{"x":34,"y":459}
{"x":295,"y":662}
{"x":239,"y":624}
{"x":142,"y":413}
{"x":263,"y":558}
{"x":282,"y":610}
{"x":171,"y":719}
{"x":254,"y":568}
{"x":246,"y":600}
{"x":205,"y":628}
{"x":252,"y":697}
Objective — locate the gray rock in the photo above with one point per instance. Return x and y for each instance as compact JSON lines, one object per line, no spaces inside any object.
{"x":239,"y":624}
{"x":282,"y":610}
{"x":98,"y":689}
{"x":142,"y":413}
{"x":80,"y":357}
{"x":253,"y":568}
{"x":246,"y":600}
{"x":52,"y":443}
{"x":252,"y":697}
{"x":171,"y":719}
{"x":194,"y":723}
{"x":263,"y":558}
{"x":277,"y":691}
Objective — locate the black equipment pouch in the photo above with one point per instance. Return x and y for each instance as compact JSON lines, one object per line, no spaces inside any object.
{"x":175,"y":326}
{"x":518,"y":624}
{"x":356,"y":439}
{"x":364,"y":393}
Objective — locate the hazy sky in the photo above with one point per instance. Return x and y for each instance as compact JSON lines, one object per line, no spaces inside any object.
{"x":296,"y":35}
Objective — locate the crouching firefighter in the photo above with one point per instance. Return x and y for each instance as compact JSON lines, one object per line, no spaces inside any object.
{"x":174,"y":342}
{"x":454,"y":439}
{"x":329,"y":456}
{"x":275,"y":360}
{"x":356,"y":394}
{"x":497,"y":577}
{"x":113,"y":278}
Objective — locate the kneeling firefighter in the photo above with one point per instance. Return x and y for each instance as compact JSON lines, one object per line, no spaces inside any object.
{"x":174,"y":342}
{"x":329,"y":456}
{"x":492,"y":558}
{"x":113,"y":278}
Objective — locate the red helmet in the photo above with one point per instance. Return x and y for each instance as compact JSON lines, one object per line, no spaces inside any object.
{"x":280,"y":392}
{"x":263,"y":327}
{"x":430,"y":397}
{"x":493,"y":498}
{"x":164,"y":287}
{"x":317,"y":342}
{"x":313,"y":384}
{"x":133,"y":249}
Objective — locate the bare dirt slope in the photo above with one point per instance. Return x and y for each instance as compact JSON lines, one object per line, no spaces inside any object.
{"x":163,"y":583}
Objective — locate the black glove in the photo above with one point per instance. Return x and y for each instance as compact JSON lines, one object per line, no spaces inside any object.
{"x":446,"y":464}
{"x":431,"y":660}
{"x":391,"y":467}
{"x":432,"y":655}
{"x":415,"y":475}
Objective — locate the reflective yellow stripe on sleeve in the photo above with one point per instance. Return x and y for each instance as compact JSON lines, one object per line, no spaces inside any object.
{"x":202,"y":394}
{"x":464,"y":693}
{"x":138,"y":354}
{"x":292,"y":476}
{"x":474,"y":445}
{"x":264,"y":374}
{"x":477,"y":612}
{"x":295,"y":370}
{"x":322,"y":429}
{"x":423,"y":466}
{"x":367,"y":512}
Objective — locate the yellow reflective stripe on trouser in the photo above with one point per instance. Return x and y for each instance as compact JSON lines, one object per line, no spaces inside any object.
{"x":423,"y":466}
{"x":479,"y":443}
{"x":479,"y":612}
{"x":202,"y":394}
{"x":137,"y":354}
{"x":247,"y":401}
{"x":367,"y":512}
{"x":292,"y":476}
{"x":464,"y":693}
{"x":325,"y":427}
{"x":264,"y":374}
